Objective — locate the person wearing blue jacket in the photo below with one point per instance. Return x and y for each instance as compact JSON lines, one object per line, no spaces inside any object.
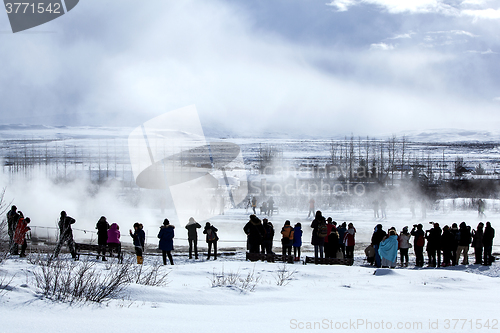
{"x":166,"y":236}
{"x":139,"y":238}
{"x":297,"y":241}
{"x":388,"y":250}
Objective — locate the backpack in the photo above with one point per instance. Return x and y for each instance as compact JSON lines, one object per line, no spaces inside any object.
{"x":420,"y":241}
{"x":322,"y":229}
{"x":211,"y":236}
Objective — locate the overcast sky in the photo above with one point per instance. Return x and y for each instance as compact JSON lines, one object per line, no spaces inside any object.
{"x":288,"y":66}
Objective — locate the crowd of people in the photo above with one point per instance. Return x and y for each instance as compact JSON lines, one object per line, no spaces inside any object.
{"x":444,"y":247}
{"x":328,"y":240}
{"x":108,"y":237}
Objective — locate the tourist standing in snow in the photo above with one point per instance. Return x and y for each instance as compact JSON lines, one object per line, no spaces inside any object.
{"x":166,"y":245}
{"x":383,"y":207}
{"x":464,"y":239}
{"x":287,"y":239}
{"x":477,"y":243}
{"x":418,"y":244}
{"x":297,"y":240}
{"x":480,"y":208}
{"x":255,"y":232}
{"x":66,"y":234}
{"x":333,"y":240}
{"x":404,"y":246}
{"x":12,"y":220}
{"x":267,"y":241}
{"x":350,"y":241}
{"x":378,"y":235}
{"x":102,"y":227}
{"x":455,"y":234}
{"x":139,"y":238}
{"x":319,"y":233}
{"x":375,"y":209}
{"x":193,"y":237}
{"x":488,"y":235}
{"x":20,"y":234}
{"x":388,"y":250}
{"x":447,"y":242}
{"x":114,"y":240}
{"x":270,"y":206}
{"x":254,"y":204}
{"x":211,"y":239}
{"x":433,"y":237}
{"x":311,"y":207}
{"x":328,"y":246}
{"x":341,"y":230}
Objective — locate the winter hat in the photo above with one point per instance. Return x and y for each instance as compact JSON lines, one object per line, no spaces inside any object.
{"x":166,"y":222}
{"x":27,"y":220}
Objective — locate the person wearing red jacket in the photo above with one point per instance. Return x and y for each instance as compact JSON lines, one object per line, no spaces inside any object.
{"x":350,"y":241}
{"x":20,"y":234}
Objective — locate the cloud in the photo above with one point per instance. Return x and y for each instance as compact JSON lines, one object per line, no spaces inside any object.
{"x":489,"y":13}
{"x":382,"y":47}
{"x":398,"y":6}
{"x":464,"y":8}
{"x":242,"y":75}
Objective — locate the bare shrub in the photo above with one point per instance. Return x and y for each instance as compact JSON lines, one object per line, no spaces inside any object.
{"x":235,"y":280}
{"x":70,"y":281}
{"x":150,"y":275}
{"x":5,"y":282}
{"x":283,"y":275}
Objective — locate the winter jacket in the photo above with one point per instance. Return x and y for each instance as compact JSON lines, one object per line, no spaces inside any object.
{"x":268,"y":231}
{"x":65,"y":230}
{"x":378,"y":235}
{"x":341,"y":231}
{"x":333,"y":237}
{"x":208,"y":231}
{"x":102,"y":227}
{"x":113,"y":234}
{"x":388,"y":248}
{"x":417,"y":235}
{"x":404,"y":240}
{"x":349,"y":237}
{"x":315,"y":239}
{"x":455,"y":234}
{"x":488,"y":235}
{"x":447,"y":240}
{"x":191,"y":228}
{"x":433,"y":237}
{"x":477,"y":238}
{"x":297,"y":237}
{"x":166,"y":236}
{"x":255,"y":231}
{"x":21,"y":230}
{"x":12,"y":220}
{"x":464,"y":235}
{"x":287,"y":232}
{"x":139,"y":238}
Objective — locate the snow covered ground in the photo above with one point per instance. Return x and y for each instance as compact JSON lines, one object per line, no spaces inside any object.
{"x":358,"y":298}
